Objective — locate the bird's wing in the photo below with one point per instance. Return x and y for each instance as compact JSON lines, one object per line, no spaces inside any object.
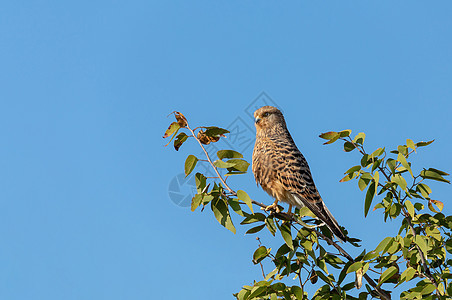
{"x":294,"y":174}
{"x":296,"y":177}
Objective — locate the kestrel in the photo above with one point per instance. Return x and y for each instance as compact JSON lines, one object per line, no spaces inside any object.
{"x":282,"y":171}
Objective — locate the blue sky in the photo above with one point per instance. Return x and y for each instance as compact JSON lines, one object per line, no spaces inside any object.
{"x":86,"y":87}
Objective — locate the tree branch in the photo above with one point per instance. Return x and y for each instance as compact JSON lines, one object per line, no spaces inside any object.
{"x":211,"y":163}
{"x":283,"y":216}
{"x":425,"y":267}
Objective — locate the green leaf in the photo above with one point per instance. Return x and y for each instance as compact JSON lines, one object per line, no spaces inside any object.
{"x":190,"y":164}
{"x":221,"y":212}
{"x":243,"y":196}
{"x":334,"y":260}
{"x":424,"y":189}
{"x":260,"y":253}
{"x":408,"y":274}
{"x":365,"y":161}
{"x":376,"y":178}
{"x":343,"y":273}
{"x":355,"y":266}
{"x":364,"y":180}
{"x":428,"y":289}
{"x":279,"y":286}
{"x":322,"y":265}
{"x":333,"y":139}
{"x":243,"y":294}
{"x":345,"y":133}
{"x":235,"y":205}
{"x":271,"y":274}
{"x":439,"y":171}
{"x":306,"y":212}
{"x":200,"y":181}
{"x":206,"y":199}
{"x":171,"y":129}
{"x":329,"y":135}
{"x":324,"y":279}
{"x":449,"y":246}
{"x":255,"y":229}
{"x":371,"y":255}
{"x":180,"y":139}
{"x":348,"y":146}
{"x":383,"y":244}
{"x":392,"y":247}
{"x":394,"y":210}
{"x":376,"y":164}
{"x":239,"y":165}
{"x":257,"y":291}
{"x":234,"y":172}
{"x":388,"y":273}
{"x":229,"y":154}
{"x":391,"y":164}
{"x":252,"y":218}
{"x":359,"y":138}
{"x":306,"y":244}
{"x":223,"y":164}
{"x":423,"y":144}
{"x":286,"y":234}
{"x":353,"y":170}
{"x":410,"y":208}
{"x":297,"y":292}
{"x":282,"y":250}
{"x":369,"y":196}
{"x":403,"y":161}
{"x":433,"y":232}
{"x":434,"y":175}
{"x":348,"y":287}
{"x":402,"y":149}
{"x":270,"y":223}
{"x":421,"y":242}
{"x":399,"y":180}
{"x":377,"y":152}
{"x":348,"y":177}
{"x":410,"y":144}
{"x":377,"y":206}
{"x":362,"y":184}
{"x":418,"y":206}
{"x":196,"y":201}
{"x":215,"y":131}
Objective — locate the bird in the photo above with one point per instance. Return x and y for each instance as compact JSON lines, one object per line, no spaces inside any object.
{"x":283,"y":172}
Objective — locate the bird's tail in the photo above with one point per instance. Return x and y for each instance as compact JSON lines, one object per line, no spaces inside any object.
{"x":332,"y":224}
{"x":320,"y":210}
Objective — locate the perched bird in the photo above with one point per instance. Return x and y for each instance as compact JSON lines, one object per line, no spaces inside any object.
{"x":282,"y":171}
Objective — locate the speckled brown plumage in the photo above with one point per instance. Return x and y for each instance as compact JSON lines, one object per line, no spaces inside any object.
{"x":282,"y":171}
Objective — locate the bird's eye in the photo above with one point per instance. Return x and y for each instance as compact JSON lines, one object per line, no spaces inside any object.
{"x":266,"y":114}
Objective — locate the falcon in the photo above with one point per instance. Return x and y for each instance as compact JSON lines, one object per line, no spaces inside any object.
{"x":282,"y":171}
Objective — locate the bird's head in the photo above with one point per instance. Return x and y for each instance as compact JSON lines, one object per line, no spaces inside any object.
{"x":268,"y":117}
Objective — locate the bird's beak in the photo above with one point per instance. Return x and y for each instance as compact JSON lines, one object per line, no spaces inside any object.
{"x":257,"y":120}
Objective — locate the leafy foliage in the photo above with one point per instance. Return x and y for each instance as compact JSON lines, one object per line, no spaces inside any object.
{"x":416,"y":257}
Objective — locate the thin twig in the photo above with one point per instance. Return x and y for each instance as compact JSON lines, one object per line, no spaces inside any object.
{"x":211,"y":163}
{"x":262,"y":268}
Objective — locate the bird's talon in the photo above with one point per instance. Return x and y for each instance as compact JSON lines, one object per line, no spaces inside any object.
{"x":273,"y":207}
